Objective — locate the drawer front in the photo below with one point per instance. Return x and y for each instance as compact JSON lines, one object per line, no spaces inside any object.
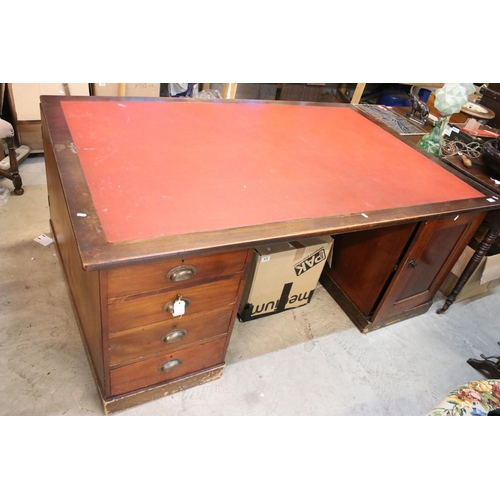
{"x":129,"y":313}
{"x":172,"y":274}
{"x":167,"y":336}
{"x":176,"y":364}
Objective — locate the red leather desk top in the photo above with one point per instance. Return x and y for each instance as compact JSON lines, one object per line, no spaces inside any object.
{"x":164,"y":168}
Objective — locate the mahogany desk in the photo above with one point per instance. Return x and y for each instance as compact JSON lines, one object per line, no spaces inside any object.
{"x":158,"y":200}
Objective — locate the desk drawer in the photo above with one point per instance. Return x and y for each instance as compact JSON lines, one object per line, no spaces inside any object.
{"x":127,"y":313}
{"x":172,"y":274}
{"x":178,"y":363}
{"x":167,"y":336}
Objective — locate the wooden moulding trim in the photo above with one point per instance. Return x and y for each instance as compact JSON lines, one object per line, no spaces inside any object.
{"x":96,"y":253}
{"x":75,"y":189}
{"x":362,"y":323}
{"x":141,"y":396}
{"x":412,"y":313}
{"x":107,"y":255}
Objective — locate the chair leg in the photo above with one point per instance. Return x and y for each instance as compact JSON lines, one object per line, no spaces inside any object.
{"x":491,"y":369}
{"x":13,"y":172}
{"x":485,"y":364}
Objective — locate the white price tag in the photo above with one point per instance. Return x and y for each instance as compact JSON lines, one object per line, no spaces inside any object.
{"x":179,"y":307}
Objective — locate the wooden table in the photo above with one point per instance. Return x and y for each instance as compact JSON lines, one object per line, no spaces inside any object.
{"x":481,"y":174}
{"x":154,"y":201}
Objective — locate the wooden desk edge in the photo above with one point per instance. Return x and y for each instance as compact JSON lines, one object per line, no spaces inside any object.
{"x":97,"y":253}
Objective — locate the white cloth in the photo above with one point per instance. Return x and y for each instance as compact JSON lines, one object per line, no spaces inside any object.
{"x":6,"y":129}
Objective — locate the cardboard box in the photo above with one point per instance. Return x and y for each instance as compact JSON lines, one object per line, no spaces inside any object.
{"x":26,"y":96}
{"x":487,"y":271}
{"x":283,"y":276}
{"x":30,"y":134}
{"x":131,"y":89}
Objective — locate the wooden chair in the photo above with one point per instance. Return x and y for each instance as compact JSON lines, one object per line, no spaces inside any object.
{"x":11,"y":169}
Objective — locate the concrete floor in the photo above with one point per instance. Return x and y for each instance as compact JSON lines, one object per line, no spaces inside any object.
{"x":309,"y":361}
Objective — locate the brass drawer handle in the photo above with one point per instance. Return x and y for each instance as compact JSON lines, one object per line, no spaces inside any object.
{"x":181,"y":273}
{"x":170,"y":306}
{"x":175,"y":336}
{"x":171,"y":365}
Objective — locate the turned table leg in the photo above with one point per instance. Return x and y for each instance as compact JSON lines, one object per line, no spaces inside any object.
{"x":493,"y":219}
{"x":12,"y":173}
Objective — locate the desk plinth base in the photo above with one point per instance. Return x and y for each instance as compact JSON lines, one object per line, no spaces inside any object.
{"x":363,"y":323}
{"x":119,"y":403}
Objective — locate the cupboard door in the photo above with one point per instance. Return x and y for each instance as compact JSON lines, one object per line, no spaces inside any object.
{"x":430,"y":257}
{"x":364,"y":261}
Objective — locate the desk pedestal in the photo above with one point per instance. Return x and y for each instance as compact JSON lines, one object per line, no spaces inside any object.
{"x":382,"y":276}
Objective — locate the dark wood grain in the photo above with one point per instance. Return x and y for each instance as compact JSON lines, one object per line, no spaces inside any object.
{"x":430,"y":257}
{"x":129,"y":280}
{"x":84,"y":286}
{"x":118,"y":403}
{"x":384,"y":274}
{"x":119,"y":289}
{"x":12,"y":172}
{"x":493,"y":222}
{"x":300,"y":92}
{"x":147,"y":309}
{"x":477,"y":172}
{"x":367,"y":257}
{"x":97,"y":253}
{"x":147,"y":340}
{"x":147,"y":373}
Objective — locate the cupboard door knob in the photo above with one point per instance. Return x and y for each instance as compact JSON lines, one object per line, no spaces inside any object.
{"x":170,"y":306}
{"x":412,"y":263}
{"x":171,"y":365}
{"x":181,"y":273}
{"x":175,"y":336}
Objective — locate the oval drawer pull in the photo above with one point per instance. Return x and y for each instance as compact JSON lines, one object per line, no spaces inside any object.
{"x":175,"y":336}
{"x":181,"y":273}
{"x":171,"y":365}
{"x":170,"y":306}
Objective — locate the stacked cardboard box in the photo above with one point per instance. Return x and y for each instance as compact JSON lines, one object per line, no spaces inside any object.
{"x":480,"y":281}
{"x":283,"y":276}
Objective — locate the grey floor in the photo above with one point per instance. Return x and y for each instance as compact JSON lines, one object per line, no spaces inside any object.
{"x":310,"y":361}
